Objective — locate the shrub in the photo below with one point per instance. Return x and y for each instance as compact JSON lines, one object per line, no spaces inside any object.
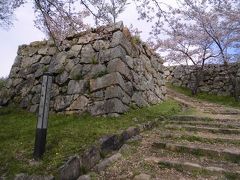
{"x":3,"y":82}
{"x":136,"y":40}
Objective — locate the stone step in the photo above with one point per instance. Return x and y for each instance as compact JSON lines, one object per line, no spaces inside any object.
{"x":194,"y":167}
{"x":221,"y":110}
{"x":203,"y":129}
{"x":189,"y":118}
{"x":206,"y":138}
{"x":222,"y":118}
{"x":232,"y":155}
{"x":206,"y":123}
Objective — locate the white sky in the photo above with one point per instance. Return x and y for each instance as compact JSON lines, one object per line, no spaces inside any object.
{"x":24,"y":32}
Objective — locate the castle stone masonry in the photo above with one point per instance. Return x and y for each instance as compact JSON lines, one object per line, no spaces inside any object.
{"x":214,"y":80}
{"x":103,"y":71}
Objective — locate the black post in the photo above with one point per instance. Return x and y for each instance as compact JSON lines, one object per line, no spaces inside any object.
{"x":41,"y":129}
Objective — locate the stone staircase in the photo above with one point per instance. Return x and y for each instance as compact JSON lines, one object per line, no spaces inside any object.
{"x":204,"y":145}
{"x":215,"y":110}
{"x":199,"y":147}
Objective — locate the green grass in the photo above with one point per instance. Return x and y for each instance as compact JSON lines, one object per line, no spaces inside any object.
{"x":67,"y":135}
{"x":136,"y":40}
{"x":223,"y":100}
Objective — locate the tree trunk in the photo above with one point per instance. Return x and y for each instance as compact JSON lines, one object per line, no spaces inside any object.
{"x":237,"y":89}
{"x":198,"y":75}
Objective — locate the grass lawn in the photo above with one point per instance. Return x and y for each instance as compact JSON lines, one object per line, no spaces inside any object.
{"x":67,"y":135}
{"x":224,"y":100}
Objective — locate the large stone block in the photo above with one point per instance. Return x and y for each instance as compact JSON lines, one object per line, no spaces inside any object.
{"x":117,"y":65}
{"x":43,"y":50}
{"x":78,"y":87}
{"x":62,"y":78}
{"x":157,"y":65}
{"x":90,"y":157}
{"x":57,"y":64}
{"x":151,"y":97}
{"x":27,"y":61}
{"x":46,"y":60}
{"x":80,"y":104}
{"x":129,"y":133}
{"x":120,"y":39}
{"x":129,"y":61}
{"x":107,"y":162}
{"x":114,"y":26}
{"x":62,"y":102}
{"x":25,"y":101}
{"x":76,"y":72}
{"x":110,"y":143}
{"x":109,"y":106}
{"x":112,"y":53}
{"x":101,"y":45}
{"x":24,"y":87}
{"x":71,"y":169}
{"x":88,"y":55}
{"x":52,"y":51}
{"x":117,"y":92}
{"x":76,"y":48}
{"x":139,"y":100}
{"x":87,"y":38}
{"x":96,"y":70}
{"x":106,"y":81}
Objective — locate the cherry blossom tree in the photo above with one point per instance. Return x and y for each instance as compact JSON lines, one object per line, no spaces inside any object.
{"x":194,"y":31}
{"x":105,"y":11}
{"x":219,"y":20}
{"x":58,"y":18}
{"x":7,"y":8}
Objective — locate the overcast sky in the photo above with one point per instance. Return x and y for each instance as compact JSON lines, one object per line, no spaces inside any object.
{"x":24,"y":32}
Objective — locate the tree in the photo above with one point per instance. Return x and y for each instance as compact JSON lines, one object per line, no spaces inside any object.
{"x":219,"y":20}
{"x":195,"y":30}
{"x":7,"y":8}
{"x":105,"y":11}
{"x":58,"y":19}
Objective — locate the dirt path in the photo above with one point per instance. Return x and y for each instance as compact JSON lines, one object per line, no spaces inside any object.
{"x":205,"y":109}
{"x":203,"y":145}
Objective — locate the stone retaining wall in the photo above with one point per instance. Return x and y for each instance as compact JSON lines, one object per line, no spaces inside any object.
{"x":103,"y":71}
{"x":215,"y":79}
{"x":88,"y":161}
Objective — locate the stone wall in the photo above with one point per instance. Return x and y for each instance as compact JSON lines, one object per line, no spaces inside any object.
{"x":103,"y":71}
{"x":215,"y":79}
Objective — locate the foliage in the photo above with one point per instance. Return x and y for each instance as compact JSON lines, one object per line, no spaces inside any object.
{"x":105,"y":11}
{"x":3,"y":82}
{"x":7,"y":8}
{"x":94,"y":60}
{"x":67,"y":135}
{"x":224,"y":100}
{"x":136,"y":40}
{"x":194,"y":31}
{"x":59,"y":18}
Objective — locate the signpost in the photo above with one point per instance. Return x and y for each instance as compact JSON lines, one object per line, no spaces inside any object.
{"x":41,"y":129}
